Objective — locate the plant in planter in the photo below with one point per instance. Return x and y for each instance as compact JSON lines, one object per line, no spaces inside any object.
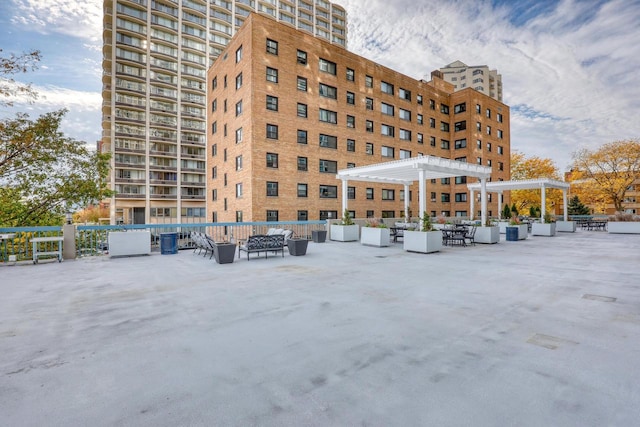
{"x":523,"y":229}
{"x":506,"y":212}
{"x":547,"y":228}
{"x":488,"y":233}
{"x":375,"y":233}
{"x":346,"y":230}
{"x":624,"y":223}
{"x":426,"y":240}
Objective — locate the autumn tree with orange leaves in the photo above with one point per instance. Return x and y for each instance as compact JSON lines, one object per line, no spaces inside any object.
{"x":522,"y":168}
{"x":604,"y":176}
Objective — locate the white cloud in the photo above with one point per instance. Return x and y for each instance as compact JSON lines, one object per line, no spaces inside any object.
{"x":569,"y":71}
{"x":70,"y":17}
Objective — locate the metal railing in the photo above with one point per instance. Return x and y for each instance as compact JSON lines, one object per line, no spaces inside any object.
{"x":20,"y":246}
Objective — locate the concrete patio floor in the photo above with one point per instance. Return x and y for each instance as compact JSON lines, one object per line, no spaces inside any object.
{"x":540,"y":332}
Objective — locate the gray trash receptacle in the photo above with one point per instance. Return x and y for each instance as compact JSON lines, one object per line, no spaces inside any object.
{"x":168,"y":243}
{"x":512,"y":234}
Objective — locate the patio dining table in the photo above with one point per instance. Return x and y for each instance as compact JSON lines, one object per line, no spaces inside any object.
{"x":454,"y":235}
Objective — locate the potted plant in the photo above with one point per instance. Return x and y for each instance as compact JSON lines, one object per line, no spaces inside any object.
{"x":426,"y":240}
{"x":375,"y":233}
{"x":345,"y":230}
{"x":546,"y":228}
{"x":488,"y":233}
{"x":624,"y":223}
{"x":504,"y":220}
{"x":441,"y":222}
{"x":522,"y":229}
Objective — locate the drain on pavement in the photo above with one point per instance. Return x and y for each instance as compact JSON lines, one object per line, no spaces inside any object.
{"x":599,"y":298}
{"x":548,"y":341}
{"x":381,"y":256}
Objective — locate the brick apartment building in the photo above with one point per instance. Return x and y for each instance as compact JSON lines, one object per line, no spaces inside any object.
{"x":287,"y":110}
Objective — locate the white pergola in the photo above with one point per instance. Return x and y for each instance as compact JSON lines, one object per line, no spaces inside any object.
{"x":405,"y":172}
{"x":526,"y":184}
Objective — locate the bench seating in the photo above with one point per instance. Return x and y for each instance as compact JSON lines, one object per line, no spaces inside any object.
{"x":263,"y":243}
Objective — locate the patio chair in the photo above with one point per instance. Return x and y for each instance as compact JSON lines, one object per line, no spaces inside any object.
{"x":470,"y":235}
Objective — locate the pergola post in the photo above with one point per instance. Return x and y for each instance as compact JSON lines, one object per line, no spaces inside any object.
{"x":564,"y":203}
{"x":345,"y":183}
{"x":406,"y":203}
{"x":483,"y":201}
{"x":472,"y":204}
{"x":543,"y":204}
{"x":422,"y":196}
{"x":500,"y":203}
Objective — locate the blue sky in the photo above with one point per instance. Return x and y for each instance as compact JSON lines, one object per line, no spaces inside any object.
{"x":569,"y":67}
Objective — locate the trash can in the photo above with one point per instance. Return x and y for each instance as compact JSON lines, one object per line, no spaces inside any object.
{"x":319,"y":236}
{"x":512,"y":234}
{"x":168,"y":243}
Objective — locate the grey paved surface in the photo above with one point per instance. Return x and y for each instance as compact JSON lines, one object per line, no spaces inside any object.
{"x":499,"y":335}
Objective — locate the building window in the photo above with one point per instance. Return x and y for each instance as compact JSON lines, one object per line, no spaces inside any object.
{"x":351,"y":145}
{"x":302,"y":84}
{"x":488,"y":130}
{"x":351,"y":193}
{"x":214,"y":105}
{"x":238,"y":108}
{"x":432,"y":141}
{"x":432,"y":123}
{"x":405,"y":154}
{"x":302,"y":110}
{"x":478,"y":109}
{"x":351,"y":121}
{"x":328,"y":166}
{"x":327,"y":66}
{"x":445,"y":197}
{"x":350,"y":165}
{"x":404,"y":94}
{"x":238,"y":216}
{"x":444,"y":126}
{"x":387,"y":109}
{"x":272,"y":188}
{"x":302,"y":136}
{"x":479,"y":160}
{"x":388,"y":194}
{"x":499,"y":117}
{"x":444,"y":109}
{"x":238,"y":81}
{"x":479,"y":126}
{"x":214,"y":194}
{"x":328,"y":116}
{"x":351,"y":98}
{"x":406,"y":115}
{"x":272,"y":131}
{"x":489,"y":147}
{"x":302,"y":190}
{"x":369,"y":193}
{"x":368,"y":81}
{"x":328,"y":192}
{"x":272,"y":47}
{"x":369,"y":103}
{"x":238,"y":135}
{"x":303,"y":215}
{"x":460,"y":143}
{"x":499,"y":134}
{"x":458,"y":126}
{"x":214,"y":172}
{"x":387,"y":130}
{"x":214,"y":83}
{"x":239,"y":163}
{"x":301,"y":57}
{"x":369,"y":149}
{"x":386,"y":88}
{"x":328,"y":91}
{"x":272,"y":75}
{"x":479,"y":144}
{"x":488,"y":113}
{"x":272,"y":103}
{"x":302,"y":164}
{"x":500,"y":149}
{"x":461,"y":197}
{"x":214,"y":128}
{"x":460,"y":108}
{"x":324,"y":215}
{"x":272,"y":216}
{"x":387,"y":151}
{"x":272,"y":160}
{"x":444,"y":144}
{"x":461,"y":179}
{"x":420,"y":138}
{"x":239,"y":190}
{"x":369,"y":126}
{"x":500,"y":166}
{"x":328,"y":141}
{"x":351,"y":75}
{"x":214,"y":150}
{"x":238,"y":54}
{"x":405,"y":135}
{"x":445,"y":181}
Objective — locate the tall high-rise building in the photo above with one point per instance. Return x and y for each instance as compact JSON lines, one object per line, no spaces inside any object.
{"x":478,"y":77}
{"x":288,"y":111}
{"x":155,"y":59}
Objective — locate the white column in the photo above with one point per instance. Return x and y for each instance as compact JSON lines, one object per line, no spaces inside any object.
{"x":472,"y":204}
{"x":564,"y":203}
{"x":483,"y":201}
{"x":543,"y":204}
{"x":422,"y":196}
{"x":500,"y":203}
{"x":345,"y":183}
{"x":406,"y":203}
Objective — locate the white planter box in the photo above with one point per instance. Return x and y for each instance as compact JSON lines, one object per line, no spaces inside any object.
{"x":538,"y":229}
{"x":503,"y":226}
{"x":623,"y":227}
{"x":424,"y":242}
{"x":487,"y":234}
{"x":375,"y":236}
{"x":344,"y":233}
{"x":566,"y":226}
{"x":129,"y":243}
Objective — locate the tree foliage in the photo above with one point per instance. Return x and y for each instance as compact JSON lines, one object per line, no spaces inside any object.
{"x":604,"y":176}
{"x":523,"y":168}
{"x":42,"y":172}
{"x":576,"y":207}
{"x":9,"y":88}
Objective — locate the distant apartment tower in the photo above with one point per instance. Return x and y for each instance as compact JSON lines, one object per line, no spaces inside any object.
{"x":287,"y":111}
{"x":478,"y":77}
{"x":155,"y":59}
